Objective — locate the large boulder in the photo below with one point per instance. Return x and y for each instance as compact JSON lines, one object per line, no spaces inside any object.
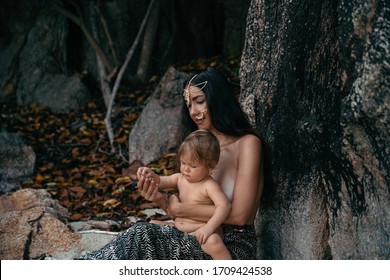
{"x":315,"y":81}
{"x":32,"y":226}
{"x":43,"y":71}
{"x":17,"y":161}
{"x":158,"y":128}
{"x":35,"y":226}
{"x":16,"y":19}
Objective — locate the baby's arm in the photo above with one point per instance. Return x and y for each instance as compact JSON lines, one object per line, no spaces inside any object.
{"x":163,"y":182}
{"x":221,"y":212}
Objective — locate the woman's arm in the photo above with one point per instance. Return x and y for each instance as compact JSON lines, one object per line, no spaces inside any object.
{"x":247,"y":188}
{"x":175,"y":209}
{"x":222,"y":205}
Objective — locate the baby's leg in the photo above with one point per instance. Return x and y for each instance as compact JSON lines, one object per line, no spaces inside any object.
{"x":215,"y":247}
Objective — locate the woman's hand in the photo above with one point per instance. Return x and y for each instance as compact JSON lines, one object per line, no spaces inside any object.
{"x":147,"y":185}
{"x":148,"y":188}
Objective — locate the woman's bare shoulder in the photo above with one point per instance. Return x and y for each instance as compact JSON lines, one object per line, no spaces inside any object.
{"x":249,"y":140}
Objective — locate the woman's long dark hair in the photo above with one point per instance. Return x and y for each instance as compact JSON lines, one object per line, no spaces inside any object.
{"x":225,"y":111}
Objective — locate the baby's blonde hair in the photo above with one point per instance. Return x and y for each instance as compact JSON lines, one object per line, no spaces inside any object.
{"x":203,"y":147}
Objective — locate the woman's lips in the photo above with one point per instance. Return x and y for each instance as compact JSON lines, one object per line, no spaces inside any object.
{"x":199,"y":119}
{"x":198,"y":122}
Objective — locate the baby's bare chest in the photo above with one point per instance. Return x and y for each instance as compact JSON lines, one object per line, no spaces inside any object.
{"x":194,"y":195}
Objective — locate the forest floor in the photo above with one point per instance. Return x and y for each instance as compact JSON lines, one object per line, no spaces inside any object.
{"x":73,"y":159}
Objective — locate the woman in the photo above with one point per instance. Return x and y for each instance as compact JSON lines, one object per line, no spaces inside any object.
{"x":211,"y":105}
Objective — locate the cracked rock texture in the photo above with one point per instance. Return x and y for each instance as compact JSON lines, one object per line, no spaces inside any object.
{"x":315,"y":80}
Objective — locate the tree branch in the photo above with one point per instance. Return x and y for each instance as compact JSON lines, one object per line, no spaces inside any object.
{"x":129,"y":55}
{"x":173,"y":30}
{"x":148,"y":43}
{"x":88,"y":35}
{"x":104,"y":86}
{"x":110,"y":43}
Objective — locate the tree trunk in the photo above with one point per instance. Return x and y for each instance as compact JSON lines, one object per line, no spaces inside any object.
{"x":148,"y":43}
{"x":315,"y":82}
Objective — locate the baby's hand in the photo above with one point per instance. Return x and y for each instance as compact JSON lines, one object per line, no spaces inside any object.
{"x":203,"y":233}
{"x":144,"y":172}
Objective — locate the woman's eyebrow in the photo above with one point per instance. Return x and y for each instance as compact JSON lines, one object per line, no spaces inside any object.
{"x":198,"y":96}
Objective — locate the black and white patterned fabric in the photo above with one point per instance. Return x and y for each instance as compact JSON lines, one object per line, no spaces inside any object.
{"x":145,"y":241}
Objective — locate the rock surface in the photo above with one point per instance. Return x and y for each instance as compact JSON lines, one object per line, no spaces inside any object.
{"x":158,"y":128}
{"x":34,"y":226}
{"x":43,"y":72}
{"x":17,"y":161}
{"x":31,"y":226}
{"x":321,"y":103}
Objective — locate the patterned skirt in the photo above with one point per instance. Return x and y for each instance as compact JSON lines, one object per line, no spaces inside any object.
{"x":145,"y":241}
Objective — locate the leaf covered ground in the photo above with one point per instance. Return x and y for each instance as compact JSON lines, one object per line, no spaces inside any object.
{"x":73,"y":152}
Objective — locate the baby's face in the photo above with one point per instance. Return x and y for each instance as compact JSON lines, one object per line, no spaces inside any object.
{"x":192,"y":170}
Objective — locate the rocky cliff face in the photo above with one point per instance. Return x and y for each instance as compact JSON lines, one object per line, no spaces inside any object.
{"x":45,"y":57}
{"x":315,"y":81}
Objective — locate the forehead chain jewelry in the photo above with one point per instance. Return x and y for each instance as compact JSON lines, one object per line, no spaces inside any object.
{"x":187,"y":94}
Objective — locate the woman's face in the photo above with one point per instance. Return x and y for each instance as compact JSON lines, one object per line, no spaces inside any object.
{"x":198,"y":108}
